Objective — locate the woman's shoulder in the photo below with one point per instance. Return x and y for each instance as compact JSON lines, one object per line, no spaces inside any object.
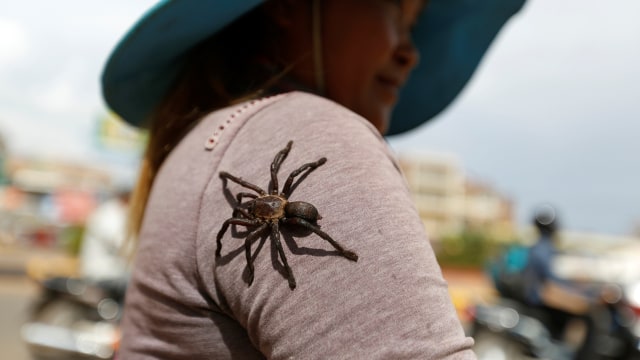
{"x":309,"y":101}
{"x":280,"y":116}
{"x":316,"y":114}
{"x":321,"y":125}
{"x":265,"y":124}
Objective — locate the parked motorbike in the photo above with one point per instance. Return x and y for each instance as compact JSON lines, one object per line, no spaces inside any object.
{"x":511,"y":330}
{"x":75,"y":319}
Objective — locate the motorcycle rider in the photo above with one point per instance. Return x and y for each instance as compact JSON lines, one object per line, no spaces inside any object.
{"x":557,"y":300}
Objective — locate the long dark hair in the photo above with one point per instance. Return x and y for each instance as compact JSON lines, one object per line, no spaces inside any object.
{"x":236,"y":64}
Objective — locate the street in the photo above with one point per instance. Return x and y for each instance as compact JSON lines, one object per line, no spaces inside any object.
{"x":18,"y":292}
{"x":16,"y":295}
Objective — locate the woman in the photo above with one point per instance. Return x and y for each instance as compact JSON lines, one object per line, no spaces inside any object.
{"x":224,"y":87}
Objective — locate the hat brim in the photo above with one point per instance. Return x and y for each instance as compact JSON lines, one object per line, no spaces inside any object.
{"x":452,"y":36}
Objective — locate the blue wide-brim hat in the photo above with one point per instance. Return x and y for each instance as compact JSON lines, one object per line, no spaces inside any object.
{"x":452,"y":36}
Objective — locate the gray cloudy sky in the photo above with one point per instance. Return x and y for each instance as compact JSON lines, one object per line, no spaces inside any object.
{"x":50,"y":65}
{"x":552,"y":115}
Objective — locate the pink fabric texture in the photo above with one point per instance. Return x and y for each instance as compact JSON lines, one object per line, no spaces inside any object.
{"x":184,"y":303}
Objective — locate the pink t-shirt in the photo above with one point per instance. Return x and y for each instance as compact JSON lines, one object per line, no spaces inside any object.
{"x":185,"y":303}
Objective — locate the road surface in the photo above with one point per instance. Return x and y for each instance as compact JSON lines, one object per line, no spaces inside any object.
{"x":16,"y":295}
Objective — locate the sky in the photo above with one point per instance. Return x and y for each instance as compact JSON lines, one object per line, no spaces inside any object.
{"x":551,"y":115}
{"x":50,"y":65}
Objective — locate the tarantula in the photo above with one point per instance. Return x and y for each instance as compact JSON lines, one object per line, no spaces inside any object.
{"x":269,"y":211}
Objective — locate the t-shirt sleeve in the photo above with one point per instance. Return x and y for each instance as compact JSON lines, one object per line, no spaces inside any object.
{"x":392,"y":303}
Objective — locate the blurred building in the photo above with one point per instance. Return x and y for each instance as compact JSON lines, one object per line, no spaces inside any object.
{"x":487,"y":210}
{"x":448,"y":202}
{"x":44,"y":201}
{"x":41,"y":175}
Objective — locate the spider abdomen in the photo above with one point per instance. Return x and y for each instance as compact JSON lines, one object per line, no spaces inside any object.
{"x":304,"y":210}
{"x":268,"y":207}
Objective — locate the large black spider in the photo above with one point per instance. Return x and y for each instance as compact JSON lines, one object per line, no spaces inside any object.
{"x":271,"y":210}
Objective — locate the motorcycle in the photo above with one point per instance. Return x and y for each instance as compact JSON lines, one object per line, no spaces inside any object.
{"x":75,"y":319}
{"x":509,"y":329}
{"x":503,"y":331}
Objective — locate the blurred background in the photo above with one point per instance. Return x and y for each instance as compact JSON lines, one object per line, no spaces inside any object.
{"x":551,"y":116}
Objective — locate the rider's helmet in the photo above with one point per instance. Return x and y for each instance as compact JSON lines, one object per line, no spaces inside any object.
{"x":546,"y":219}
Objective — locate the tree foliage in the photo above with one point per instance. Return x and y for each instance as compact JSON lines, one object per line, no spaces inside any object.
{"x":470,"y":249}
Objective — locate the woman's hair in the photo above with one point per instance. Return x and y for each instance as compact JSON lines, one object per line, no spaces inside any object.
{"x":227,"y":68}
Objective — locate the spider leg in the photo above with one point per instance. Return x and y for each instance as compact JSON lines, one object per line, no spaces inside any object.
{"x":242,"y":211}
{"x":247,"y":248}
{"x":225,"y":226}
{"x":309,"y":167}
{"x":226,"y":175}
{"x":239,"y":197}
{"x":275,"y":166}
{"x":301,"y":222}
{"x":275,"y":237}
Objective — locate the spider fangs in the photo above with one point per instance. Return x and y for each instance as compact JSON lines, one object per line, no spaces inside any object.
{"x":266,"y":210}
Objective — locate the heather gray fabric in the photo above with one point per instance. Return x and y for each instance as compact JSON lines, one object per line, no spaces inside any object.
{"x":184,"y":303}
